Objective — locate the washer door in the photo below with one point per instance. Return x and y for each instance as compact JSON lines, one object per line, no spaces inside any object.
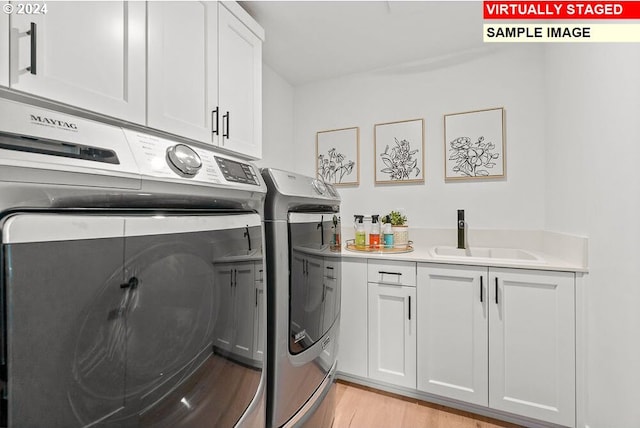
{"x":113,"y":320}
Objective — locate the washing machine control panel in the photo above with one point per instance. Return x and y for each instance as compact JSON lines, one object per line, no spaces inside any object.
{"x":166,"y":160}
{"x":237,"y":172}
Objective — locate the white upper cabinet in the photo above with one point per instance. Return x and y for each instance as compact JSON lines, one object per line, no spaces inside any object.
{"x":205,"y":74}
{"x":4,"y":47}
{"x":87,"y":54}
{"x":240,"y":83}
{"x":182,"y":69}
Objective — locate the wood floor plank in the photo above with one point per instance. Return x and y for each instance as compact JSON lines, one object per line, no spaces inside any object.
{"x":362,"y":407}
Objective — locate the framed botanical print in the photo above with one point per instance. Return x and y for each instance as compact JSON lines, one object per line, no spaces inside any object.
{"x":399,"y":152}
{"x":475,"y":145}
{"x":337,"y":156}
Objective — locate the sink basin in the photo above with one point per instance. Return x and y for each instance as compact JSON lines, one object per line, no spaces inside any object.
{"x":506,"y":254}
{"x":316,"y":247}
{"x":240,"y":255}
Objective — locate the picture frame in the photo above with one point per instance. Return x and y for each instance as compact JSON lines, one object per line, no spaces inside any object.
{"x":338,"y":156}
{"x":474,"y":145}
{"x":399,"y":152}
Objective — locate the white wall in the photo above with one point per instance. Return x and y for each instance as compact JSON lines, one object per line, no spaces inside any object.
{"x":573,"y":138}
{"x":277,"y":120}
{"x":510,"y":78}
{"x":593,"y":144}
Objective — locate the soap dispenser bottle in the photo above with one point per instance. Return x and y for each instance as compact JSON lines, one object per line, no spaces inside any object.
{"x":361,"y":234}
{"x":387,"y":233}
{"x":374,"y":236}
{"x":335,"y":237}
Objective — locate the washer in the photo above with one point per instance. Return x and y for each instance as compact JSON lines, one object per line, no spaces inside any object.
{"x":303,"y":275}
{"x":131,"y":276}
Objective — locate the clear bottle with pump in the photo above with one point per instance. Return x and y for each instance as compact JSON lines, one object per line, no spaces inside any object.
{"x":361,"y":234}
{"x":374,"y":236}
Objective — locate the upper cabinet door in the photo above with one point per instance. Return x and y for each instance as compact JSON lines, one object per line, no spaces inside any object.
{"x":4,"y":47}
{"x":240,"y":86}
{"x":183,"y":68}
{"x":87,"y":54}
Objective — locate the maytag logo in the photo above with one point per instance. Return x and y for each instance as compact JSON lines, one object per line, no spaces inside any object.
{"x":54,"y":123}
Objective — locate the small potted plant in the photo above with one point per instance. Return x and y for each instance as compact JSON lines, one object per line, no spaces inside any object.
{"x":400,"y":229}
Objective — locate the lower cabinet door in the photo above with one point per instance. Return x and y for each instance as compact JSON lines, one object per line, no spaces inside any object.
{"x":352,"y":352}
{"x":532,"y":344}
{"x":453,"y":332}
{"x":392,"y":334}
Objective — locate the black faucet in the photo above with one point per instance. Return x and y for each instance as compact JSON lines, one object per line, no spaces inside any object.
{"x":461,"y":225}
{"x":321,"y":227}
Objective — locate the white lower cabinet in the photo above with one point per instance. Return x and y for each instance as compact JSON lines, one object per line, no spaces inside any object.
{"x":392,"y":334}
{"x":453,"y":332}
{"x":259,"y":318}
{"x":352,"y":352}
{"x":532,"y":344}
{"x":241,"y":297}
{"x":392,"y":322}
{"x":503,"y":338}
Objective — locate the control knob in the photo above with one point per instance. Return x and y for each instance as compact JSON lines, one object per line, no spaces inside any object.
{"x":184,"y":159}
{"x":319,"y":186}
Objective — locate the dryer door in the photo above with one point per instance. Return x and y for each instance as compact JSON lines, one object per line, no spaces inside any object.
{"x":65,"y":330}
{"x":113,"y":321}
{"x":191,"y":324}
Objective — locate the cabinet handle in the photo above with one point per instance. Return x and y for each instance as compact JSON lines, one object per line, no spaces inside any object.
{"x":33,"y":33}
{"x":496,"y":290}
{"x":256,"y":297}
{"x":481,"y":288}
{"x":226,"y":118}
{"x":383,"y":272}
{"x":215,"y":122}
{"x":409,"y":308}
{"x":132,"y":284}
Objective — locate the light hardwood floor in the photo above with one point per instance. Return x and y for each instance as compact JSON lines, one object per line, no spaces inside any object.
{"x":361,"y":407}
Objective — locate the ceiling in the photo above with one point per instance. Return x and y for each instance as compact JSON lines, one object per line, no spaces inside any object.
{"x":308,"y":41}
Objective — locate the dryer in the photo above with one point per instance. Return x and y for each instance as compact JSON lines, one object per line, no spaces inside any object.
{"x":131,"y":275}
{"x":304,"y":278}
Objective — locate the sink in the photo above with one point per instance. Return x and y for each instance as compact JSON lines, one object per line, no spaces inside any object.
{"x":240,"y":255}
{"x":505,"y":254}
{"x":315,"y":246}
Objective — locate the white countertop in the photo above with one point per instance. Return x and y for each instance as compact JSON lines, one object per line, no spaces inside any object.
{"x":558,"y":252}
{"x":424,"y":254}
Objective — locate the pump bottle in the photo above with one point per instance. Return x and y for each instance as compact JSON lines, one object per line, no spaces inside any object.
{"x":374,"y":236}
{"x":361,"y":234}
{"x":387,"y":233}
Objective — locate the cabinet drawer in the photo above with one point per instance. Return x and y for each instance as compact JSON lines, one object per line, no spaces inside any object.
{"x":391,"y":272}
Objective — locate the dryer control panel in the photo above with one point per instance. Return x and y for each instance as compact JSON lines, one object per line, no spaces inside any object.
{"x":167,"y":160}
